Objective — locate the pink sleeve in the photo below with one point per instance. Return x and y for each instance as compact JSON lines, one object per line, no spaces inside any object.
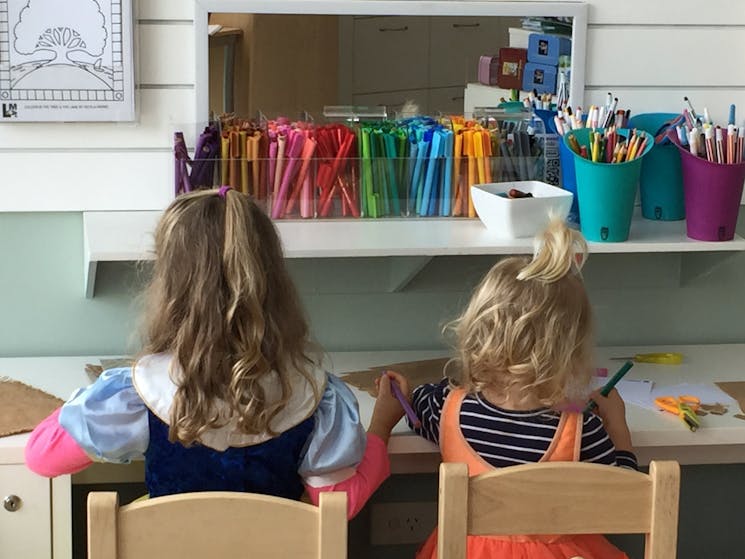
{"x":371,"y":473}
{"x":51,"y":451}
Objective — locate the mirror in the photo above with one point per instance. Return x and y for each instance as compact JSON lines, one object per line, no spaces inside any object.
{"x":285,"y":58}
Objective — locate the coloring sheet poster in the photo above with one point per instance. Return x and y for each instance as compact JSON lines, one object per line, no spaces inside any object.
{"x":66,"y":60}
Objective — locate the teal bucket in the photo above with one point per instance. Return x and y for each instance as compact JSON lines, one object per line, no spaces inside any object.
{"x":606,"y":192}
{"x":661,"y":181}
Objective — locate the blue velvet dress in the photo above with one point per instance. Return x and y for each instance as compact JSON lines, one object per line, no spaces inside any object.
{"x":112,"y":423}
{"x":270,"y":468}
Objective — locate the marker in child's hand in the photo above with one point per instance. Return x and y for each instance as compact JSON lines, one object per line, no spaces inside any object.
{"x":410,"y":413}
{"x":591,"y":405}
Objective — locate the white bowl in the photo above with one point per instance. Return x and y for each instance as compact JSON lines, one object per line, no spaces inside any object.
{"x":511,"y":218}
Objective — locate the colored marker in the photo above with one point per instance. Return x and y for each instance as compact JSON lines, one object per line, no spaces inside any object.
{"x":610,"y":384}
{"x":690,"y":109}
{"x":410,"y":413}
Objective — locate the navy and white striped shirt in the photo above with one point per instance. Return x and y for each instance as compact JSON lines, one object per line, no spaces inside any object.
{"x":506,"y":438}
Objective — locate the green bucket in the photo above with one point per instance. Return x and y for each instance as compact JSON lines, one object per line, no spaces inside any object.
{"x":606,"y":191}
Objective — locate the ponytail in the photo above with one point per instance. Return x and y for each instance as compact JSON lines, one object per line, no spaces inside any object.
{"x":559,"y":250}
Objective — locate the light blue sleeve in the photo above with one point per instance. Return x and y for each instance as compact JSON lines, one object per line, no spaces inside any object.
{"x":108,"y":419}
{"x":338,"y":439}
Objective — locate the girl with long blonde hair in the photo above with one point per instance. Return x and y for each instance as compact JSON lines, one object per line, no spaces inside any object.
{"x":524,"y":347}
{"x":227,"y":394}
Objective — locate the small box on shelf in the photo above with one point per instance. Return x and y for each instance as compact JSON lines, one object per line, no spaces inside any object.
{"x":511,"y":67}
{"x":546,"y":49}
{"x":540,"y":77}
{"x":519,"y":209}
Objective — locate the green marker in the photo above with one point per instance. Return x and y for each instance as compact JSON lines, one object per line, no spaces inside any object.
{"x":610,"y":384}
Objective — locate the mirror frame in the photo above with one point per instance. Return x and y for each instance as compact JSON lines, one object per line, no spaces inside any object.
{"x":576,"y":10}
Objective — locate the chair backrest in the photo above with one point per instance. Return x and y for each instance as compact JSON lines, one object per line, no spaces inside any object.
{"x":559,"y":498}
{"x":217,"y":524}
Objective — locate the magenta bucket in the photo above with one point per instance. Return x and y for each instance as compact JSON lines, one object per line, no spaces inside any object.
{"x":712,"y":193}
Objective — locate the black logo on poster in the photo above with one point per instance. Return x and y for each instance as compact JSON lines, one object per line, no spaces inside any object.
{"x":10,"y":110}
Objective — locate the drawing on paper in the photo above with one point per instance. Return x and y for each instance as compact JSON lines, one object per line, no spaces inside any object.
{"x":67,"y":50}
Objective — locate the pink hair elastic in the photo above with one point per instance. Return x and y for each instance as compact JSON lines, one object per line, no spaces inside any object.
{"x":223,"y":191}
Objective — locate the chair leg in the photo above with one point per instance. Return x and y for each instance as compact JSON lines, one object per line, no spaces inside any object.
{"x":333,"y":513}
{"x":661,"y":542}
{"x":103,"y":509}
{"x":452,"y":514}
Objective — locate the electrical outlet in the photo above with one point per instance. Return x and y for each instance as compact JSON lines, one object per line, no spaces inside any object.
{"x":402,"y":523}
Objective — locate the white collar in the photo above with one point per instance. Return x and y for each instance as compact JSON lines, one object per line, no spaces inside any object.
{"x":153,"y":378}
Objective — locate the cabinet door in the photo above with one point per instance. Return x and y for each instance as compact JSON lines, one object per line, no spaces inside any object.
{"x":458,"y":42}
{"x":27,"y":530}
{"x":390,"y":53}
{"x":446,"y":100}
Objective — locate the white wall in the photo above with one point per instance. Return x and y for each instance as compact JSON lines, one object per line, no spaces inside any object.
{"x":59,"y":166}
{"x":649,"y":53}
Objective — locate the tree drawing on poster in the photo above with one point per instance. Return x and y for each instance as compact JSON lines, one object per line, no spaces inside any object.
{"x":71,"y":57}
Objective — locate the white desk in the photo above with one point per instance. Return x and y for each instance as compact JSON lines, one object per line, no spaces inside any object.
{"x":721,"y":439}
{"x":655,"y":435}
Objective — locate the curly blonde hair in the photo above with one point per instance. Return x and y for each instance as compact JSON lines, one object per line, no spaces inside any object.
{"x":528,"y":326}
{"x":222,"y":302}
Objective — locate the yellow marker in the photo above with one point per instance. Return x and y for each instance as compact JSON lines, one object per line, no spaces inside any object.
{"x":596,"y":148}
{"x":224,"y":158}
{"x":478,"y":151}
{"x":468,"y":150}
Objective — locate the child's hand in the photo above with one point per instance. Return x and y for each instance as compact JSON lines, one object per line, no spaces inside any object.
{"x":611,"y":408}
{"x":612,"y":411}
{"x":388,"y":410}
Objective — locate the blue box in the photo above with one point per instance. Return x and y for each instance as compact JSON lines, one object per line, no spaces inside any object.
{"x":540,"y":77}
{"x":546,"y":49}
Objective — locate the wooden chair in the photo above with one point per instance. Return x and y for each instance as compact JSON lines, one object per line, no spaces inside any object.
{"x":217,"y":524}
{"x":559,"y":498}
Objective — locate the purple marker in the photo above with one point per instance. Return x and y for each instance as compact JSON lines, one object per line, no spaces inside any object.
{"x":410,"y":413}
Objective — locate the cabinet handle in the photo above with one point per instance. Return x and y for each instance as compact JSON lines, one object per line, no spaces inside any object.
{"x":459,"y":98}
{"x":12,"y":503}
{"x":465,"y":25}
{"x":385,"y":29}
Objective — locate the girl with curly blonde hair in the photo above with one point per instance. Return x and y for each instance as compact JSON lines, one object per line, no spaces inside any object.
{"x":524,"y":348}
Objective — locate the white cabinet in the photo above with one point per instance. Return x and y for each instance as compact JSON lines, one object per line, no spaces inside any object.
{"x":390,"y":53}
{"x":425,"y":59}
{"x":26,"y":515}
{"x":456,"y":43}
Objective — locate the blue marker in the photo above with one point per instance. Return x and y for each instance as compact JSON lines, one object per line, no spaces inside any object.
{"x":423,"y":204}
{"x":425,"y":145}
{"x":731,"y":115}
{"x":448,"y":178}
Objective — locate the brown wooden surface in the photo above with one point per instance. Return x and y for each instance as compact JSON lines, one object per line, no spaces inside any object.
{"x":417,"y":372}
{"x":23,"y":407}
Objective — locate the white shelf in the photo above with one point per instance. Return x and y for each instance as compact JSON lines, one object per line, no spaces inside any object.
{"x":127,"y":236}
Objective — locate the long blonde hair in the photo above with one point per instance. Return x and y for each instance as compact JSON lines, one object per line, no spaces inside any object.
{"x":222,"y":302}
{"x":528,"y":325}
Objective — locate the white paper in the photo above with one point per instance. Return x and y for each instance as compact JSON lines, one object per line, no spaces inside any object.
{"x":642,"y":393}
{"x":66,"y":60}
{"x":637,"y":392}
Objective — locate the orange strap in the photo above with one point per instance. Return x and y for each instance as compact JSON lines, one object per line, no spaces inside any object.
{"x":564,"y":447}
